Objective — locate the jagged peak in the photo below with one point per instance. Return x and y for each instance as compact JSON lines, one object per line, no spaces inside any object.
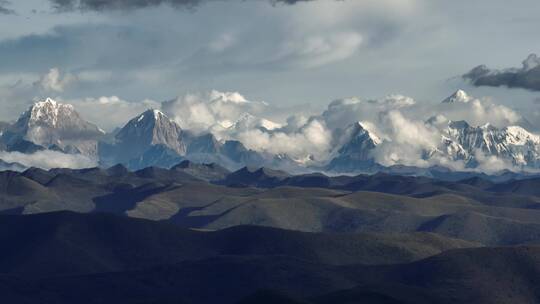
{"x":50,"y":103}
{"x":458,"y":96}
{"x":150,"y":117}
{"x":48,"y":100}
{"x":158,"y":114}
{"x":48,"y":112}
{"x":359,"y":128}
{"x":151,"y":113}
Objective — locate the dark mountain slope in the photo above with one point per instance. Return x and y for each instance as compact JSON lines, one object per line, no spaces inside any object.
{"x":482,"y":276}
{"x":69,"y":243}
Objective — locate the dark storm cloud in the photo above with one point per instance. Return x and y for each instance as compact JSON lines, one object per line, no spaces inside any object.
{"x":3,"y":8}
{"x":101,"y":5}
{"x":527,"y":77}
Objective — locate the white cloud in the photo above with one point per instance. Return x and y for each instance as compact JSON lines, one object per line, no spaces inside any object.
{"x":229,"y":115}
{"x":407,"y":140}
{"x":202,"y":112}
{"x":54,"y":81}
{"x":48,"y":159}
{"x":311,"y":141}
{"x":343,"y":112}
{"x":490,"y":163}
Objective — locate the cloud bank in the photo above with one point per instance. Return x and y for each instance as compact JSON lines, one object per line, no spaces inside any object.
{"x":229,"y":115}
{"x":48,"y":159}
{"x":527,"y":77}
{"x":409,"y":131}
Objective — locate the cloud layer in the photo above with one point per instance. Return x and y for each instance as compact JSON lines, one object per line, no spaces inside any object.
{"x":48,"y":159}
{"x":408,"y":130}
{"x":527,"y":77}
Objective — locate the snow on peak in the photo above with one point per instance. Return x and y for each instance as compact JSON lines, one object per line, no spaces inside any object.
{"x":363,"y":130}
{"x":368,"y":128}
{"x":158,"y":114}
{"x":49,"y":122}
{"x":49,"y":101}
{"x":151,"y":114}
{"x":519,"y":136}
{"x":47,"y":112}
{"x":458,"y":96}
{"x":150,"y":128}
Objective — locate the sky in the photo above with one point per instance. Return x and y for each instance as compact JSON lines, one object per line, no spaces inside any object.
{"x":300,"y":54}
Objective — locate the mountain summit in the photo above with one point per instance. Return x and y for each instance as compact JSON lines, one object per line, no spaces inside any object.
{"x":513,"y":143}
{"x":458,"y":96}
{"x":148,"y":129}
{"x":356,"y":153}
{"x":49,"y":123}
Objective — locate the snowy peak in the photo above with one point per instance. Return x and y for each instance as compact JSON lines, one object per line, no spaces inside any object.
{"x":359,"y":133}
{"x":149,"y":118}
{"x":458,"y":96}
{"x":50,"y":113}
{"x":513,"y":144}
{"x":357,"y":149}
{"x":50,"y":123}
{"x":359,"y":142}
{"x":517,"y":135}
{"x":150,"y":128}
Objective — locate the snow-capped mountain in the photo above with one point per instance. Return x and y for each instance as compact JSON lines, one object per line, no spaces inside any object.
{"x":458,"y":96}
{"x":152,"y":139}
{"x":51,"y":124}
{"x":459,"y":142}
{"x":513,"y":144}
{"x":146,"y":130}
{"x":356,"y":151}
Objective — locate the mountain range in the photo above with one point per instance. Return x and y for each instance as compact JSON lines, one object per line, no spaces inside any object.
{"x":153,"y":139}
{"x":209,"y":196}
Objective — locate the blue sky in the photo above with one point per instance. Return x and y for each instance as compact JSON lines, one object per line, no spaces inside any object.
{"x":308,"y":53}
